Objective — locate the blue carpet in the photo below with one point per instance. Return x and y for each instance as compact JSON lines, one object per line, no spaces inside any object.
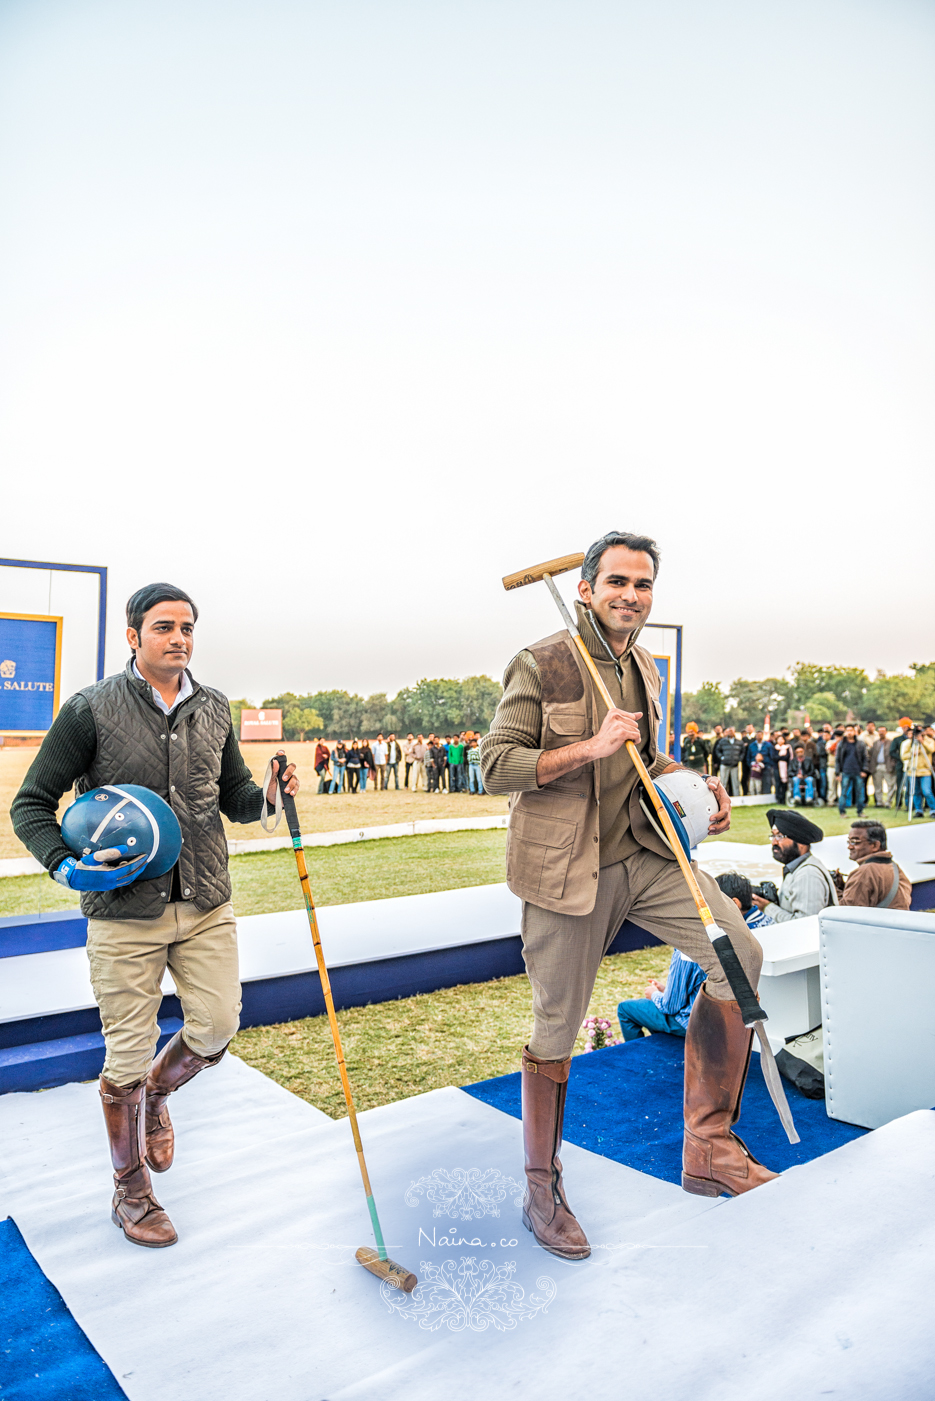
{"x":625,"y":1102}
{"x":44,"y":1355}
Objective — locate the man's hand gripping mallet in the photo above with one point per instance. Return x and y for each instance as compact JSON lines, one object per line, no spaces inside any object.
{"x":750,"y":1009}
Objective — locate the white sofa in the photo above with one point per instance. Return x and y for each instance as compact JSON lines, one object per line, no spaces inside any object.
{"x":877,"y":971}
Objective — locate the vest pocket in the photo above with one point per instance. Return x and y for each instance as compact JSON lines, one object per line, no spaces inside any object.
{"x":540,"y":850}
{"x":570,"y":727}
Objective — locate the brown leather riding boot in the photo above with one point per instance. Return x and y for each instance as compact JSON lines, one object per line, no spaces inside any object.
{"x":134,"y":1208}
{"x":717,"y":1055}
{"x":174,"y":1066}
{"x":545,"y":1211}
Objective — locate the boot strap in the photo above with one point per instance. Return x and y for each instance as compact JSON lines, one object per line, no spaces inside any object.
{"x":556,"y":1071}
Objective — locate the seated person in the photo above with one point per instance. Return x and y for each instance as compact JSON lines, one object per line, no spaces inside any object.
{"x":807,"y":887}
{"x":803,"y":776}
{"x":737,"y":888}
{"x":666,"y":1006}
{"x":878,"y":882}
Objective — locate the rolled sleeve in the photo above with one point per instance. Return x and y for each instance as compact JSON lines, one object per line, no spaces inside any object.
{"x":239,"y":798}
{"x":660,"y":764}
{"x":509,"y":754}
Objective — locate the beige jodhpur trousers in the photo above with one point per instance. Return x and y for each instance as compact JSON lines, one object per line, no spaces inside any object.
{"x":563,"y":952}
{"x":128,"y":959}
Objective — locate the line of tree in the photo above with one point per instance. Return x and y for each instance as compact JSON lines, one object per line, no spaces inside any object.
{"x":823,"y":693}
{"x":442,"y":705}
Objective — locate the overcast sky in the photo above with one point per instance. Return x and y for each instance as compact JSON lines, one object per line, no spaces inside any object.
{"x":333,"y":313}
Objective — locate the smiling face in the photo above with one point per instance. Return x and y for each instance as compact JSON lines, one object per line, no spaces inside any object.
{"x":166,"y":638}
{"x":622,"y":595}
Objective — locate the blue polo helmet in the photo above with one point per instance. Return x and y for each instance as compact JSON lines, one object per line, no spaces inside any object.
{"x":690,"y":804}
{"x":125,"y":814}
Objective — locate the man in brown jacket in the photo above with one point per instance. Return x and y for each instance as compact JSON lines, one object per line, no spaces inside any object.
{"x":878,"y":882}
{"x":583,"y":857}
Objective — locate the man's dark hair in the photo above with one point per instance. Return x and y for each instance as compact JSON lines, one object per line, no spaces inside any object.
{"x":736,"y":887}
{"x":876,"y":832}
{"x":643,"y":543}
{"x":139,"y":604}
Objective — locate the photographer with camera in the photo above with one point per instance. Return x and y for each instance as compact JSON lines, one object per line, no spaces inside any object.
{"x":807,"y":886}
{"x":738,"y":888}
{"x":916,"y":753}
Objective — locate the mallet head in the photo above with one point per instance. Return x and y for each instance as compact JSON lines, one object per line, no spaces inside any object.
{"x":538,"y":571}
{"x":398,"y":1275}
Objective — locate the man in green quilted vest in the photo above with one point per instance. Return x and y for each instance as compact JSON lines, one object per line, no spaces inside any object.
{"x":583,"y":857}
{"x":152,"y":725}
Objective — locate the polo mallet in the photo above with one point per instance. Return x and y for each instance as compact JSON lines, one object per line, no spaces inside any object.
{"x":750,"y":1009}
{"x":376,"y":1261}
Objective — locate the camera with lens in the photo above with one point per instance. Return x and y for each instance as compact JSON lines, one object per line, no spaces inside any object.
{"x":766,"y":890}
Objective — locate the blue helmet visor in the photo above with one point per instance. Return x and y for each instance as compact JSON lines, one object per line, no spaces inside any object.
{"x":677,"y":823}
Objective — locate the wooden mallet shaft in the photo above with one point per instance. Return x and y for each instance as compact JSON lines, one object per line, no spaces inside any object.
{"x":376,"y":1261}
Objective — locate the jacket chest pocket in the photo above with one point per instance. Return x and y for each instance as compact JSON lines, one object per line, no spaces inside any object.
{"x":564,"y":727}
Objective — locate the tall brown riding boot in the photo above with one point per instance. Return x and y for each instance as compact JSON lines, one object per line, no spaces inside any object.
{"x":174,"y":1066}
{"x":545,"y":1211}
{"x":134,"y":1209}
{"x":717,"y":1055}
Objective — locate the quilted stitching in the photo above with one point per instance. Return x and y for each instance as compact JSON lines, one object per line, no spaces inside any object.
{"x":135,"y":745}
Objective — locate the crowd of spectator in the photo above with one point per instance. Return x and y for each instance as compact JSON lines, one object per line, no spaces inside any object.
{"x":434,"y":763}
{"x":812,"y":766}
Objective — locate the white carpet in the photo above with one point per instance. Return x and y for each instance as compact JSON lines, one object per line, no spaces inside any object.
{"x":816,"y":1285}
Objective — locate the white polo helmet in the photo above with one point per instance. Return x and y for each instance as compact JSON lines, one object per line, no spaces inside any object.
{"x":690,"y":804}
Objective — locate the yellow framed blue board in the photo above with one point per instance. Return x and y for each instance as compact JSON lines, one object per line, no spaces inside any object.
{"x":663,"y":640}
{"x":30,"y":672}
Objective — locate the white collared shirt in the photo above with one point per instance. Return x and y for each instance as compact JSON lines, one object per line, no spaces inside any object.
{"x":185,"y":690}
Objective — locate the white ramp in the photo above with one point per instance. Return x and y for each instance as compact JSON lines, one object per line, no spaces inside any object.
{"x":818,"y":1284}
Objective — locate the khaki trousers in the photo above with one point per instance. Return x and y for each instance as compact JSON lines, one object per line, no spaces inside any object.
{"x":563,"y":952}
{"x":884,"y":788}
{"x":416,"y":775}
{"x":128,"y":959}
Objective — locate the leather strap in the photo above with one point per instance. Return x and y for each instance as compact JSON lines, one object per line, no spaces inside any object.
{"x":551,"y":1069}
{"x":885,"y":904}
{"x":264,"y":815}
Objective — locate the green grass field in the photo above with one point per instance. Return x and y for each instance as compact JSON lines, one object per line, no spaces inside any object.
{"x":750,"y":824}
{"x":264,"y":882}
{"x":454,"y":1037}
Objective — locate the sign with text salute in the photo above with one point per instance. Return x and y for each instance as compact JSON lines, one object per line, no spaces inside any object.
{"x":30,"y":664}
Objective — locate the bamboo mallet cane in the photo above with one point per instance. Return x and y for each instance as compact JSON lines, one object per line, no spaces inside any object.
{"x":750,"y":1009}
{"x":376,"y":1261}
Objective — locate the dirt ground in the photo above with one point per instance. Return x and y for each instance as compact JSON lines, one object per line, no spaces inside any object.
{"x":317,"y":814}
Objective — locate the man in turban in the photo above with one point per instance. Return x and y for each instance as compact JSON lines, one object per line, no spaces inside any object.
{"x":694,"y":749}
{"x":807,"y":886}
